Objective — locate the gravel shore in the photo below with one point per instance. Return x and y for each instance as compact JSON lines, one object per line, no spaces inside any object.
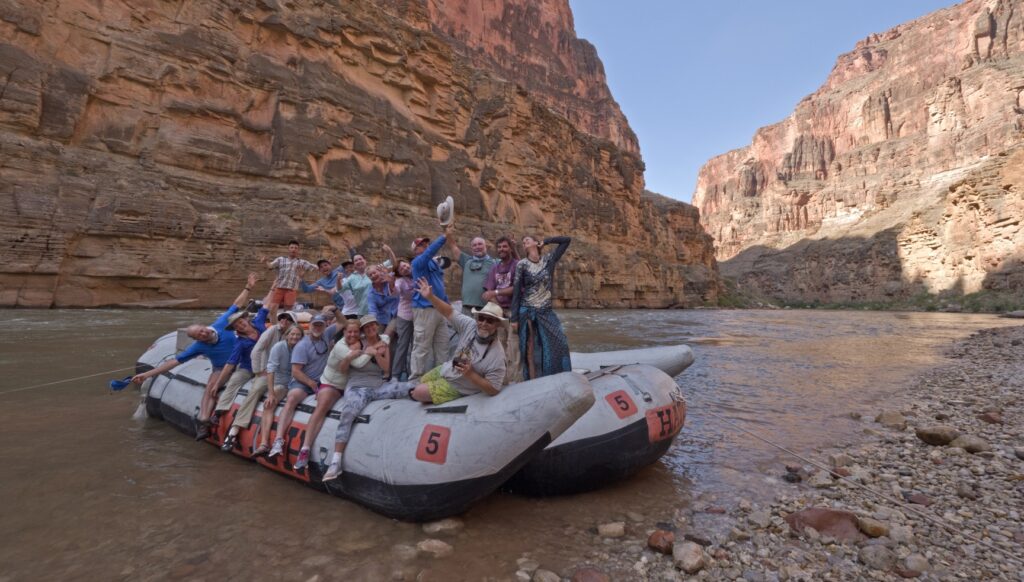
{"x":951,"y":453}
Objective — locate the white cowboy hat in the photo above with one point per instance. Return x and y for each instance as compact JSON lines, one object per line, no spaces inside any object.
{"x":446,"y":211}
{"x":492,"y":309}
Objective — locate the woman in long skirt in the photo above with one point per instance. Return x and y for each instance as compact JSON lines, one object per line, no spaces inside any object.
{"x":542,"y":341}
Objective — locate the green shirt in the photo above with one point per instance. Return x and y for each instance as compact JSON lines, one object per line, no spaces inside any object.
{"x":474,"y":273}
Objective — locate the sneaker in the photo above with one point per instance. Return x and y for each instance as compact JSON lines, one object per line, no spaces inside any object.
{"x":333,"y":472}
{"x":302,"y":461}
{"x":261,"y":451}
{"x":229,"y":443}
{"x":277,"y":449}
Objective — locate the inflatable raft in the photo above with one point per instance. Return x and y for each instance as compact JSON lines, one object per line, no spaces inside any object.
{"x":405,"y":460}
{"x":554,"y":435}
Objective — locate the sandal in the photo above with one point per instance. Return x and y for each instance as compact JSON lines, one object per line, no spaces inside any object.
{"x":261,"y":451}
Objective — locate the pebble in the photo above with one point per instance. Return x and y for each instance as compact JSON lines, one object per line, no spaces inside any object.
{"x":820,"y":480}
{"x":1019,"y":451}
{"x":937,"y":435}
{"x":590,"y":575}
{"x":971,"y":444}
{"x":615,"y":529}
{"x":542,"y":575}
{"x":527,"y":565}
{"x":661,"y":541}
{"x":450,"y":525}
{"x":760,"y":518}
{"x":435,"y":548}
{"x":872,"y":527}
{"x":689,"y":557}
{"x":877,"y":557}
{"x":891,"y":419}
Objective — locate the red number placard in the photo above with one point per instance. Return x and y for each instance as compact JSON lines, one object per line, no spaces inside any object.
{"x":433,"y":447}
{"x":621,"y":403}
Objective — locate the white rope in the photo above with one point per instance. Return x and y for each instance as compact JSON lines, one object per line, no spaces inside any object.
{"x":928,"y":517}
{"x":63,"y":381}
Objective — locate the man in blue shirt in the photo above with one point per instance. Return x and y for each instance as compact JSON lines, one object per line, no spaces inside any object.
{"x":238,"y":369}
{"x":430,"y":333}
{"x":215,"y":342}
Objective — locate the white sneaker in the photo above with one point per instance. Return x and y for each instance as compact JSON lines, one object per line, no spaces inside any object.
{"x":333,"y":472}
{"x":277,"y":449}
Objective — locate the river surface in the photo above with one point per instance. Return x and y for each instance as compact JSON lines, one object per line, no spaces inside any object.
{"x":90,"y":494}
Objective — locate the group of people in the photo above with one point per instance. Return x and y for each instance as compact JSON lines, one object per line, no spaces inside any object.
{"x":390,"y":332}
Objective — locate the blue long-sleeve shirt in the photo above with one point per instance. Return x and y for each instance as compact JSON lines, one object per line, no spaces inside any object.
{"x":383,"y":304}
{"x":328,"y":282}
{"x":218,"y":352}
{"x":241,"y":356}
{"x":425,"y":266}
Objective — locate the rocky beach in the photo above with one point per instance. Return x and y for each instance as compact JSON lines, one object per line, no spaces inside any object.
{"x":949,"y":447}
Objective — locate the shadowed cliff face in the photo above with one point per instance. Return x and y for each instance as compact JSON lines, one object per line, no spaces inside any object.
{"x":914,"y":137}
{"x":151,"y":151}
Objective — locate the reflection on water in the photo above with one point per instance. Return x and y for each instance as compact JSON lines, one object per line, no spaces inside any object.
{"x":91,"y":494}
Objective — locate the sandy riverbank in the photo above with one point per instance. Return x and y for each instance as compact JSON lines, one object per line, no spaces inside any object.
{"x":976,"y":396}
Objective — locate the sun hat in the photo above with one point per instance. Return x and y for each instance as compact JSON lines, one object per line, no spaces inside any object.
{"x":285,"y":314}
{"x":235,"y":317}
{"x":492,"y":309}
{"x":446,"y":211}
{"x":368,"y":318}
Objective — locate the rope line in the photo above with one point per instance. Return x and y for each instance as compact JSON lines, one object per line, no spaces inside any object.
{"x":63,"y":381}
{"x":899,"y":502}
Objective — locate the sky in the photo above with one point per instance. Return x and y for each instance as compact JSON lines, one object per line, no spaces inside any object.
{"x":697,"y":79}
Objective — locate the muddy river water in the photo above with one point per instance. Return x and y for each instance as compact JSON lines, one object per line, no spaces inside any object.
{"x":90,"y":494}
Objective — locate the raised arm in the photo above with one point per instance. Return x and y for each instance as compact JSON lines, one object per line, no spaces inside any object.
{"x":243,"y":297}
{"x":270,"y":264}
{"x":563,"y":244}
{"x":427,"y":293}
{"x":391,"y":256}
{"x":164,"y":367}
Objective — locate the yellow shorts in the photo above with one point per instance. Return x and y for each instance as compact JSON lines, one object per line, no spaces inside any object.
{"x":440,"y":390}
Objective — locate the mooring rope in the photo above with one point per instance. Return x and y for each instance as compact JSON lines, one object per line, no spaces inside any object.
{"x":927,"y":517}
{"x":67,"y":380}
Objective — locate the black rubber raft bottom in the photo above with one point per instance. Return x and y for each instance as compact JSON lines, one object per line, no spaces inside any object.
{"x":589,"y":464}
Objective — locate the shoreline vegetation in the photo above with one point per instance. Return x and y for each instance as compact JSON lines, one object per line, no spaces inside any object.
{"x":997,"y":302}
{"x":947,"y":448}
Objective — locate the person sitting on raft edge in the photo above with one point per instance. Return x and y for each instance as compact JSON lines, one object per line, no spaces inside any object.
{"x":214,"y":341}
{"x":478,"y":366}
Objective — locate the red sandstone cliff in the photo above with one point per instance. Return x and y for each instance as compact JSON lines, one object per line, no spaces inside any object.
{"x":901,"y":174}
{"x":152,"y":150}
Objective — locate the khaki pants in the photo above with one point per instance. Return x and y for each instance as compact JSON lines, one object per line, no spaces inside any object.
{"x":252,"y":400}
{"x":238,"y":378}
{"x":430,"y":337}
{"x":510,"y":341}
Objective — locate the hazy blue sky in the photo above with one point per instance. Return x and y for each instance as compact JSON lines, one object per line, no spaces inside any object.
{"x":696,"y":79}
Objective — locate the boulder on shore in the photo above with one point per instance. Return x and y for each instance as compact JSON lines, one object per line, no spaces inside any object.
{"x":937,"y":434}
{"x":835,"y":523}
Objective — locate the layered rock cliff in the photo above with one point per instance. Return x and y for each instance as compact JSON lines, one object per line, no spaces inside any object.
{"x":900,"y":175}
{"x":152,"y":150}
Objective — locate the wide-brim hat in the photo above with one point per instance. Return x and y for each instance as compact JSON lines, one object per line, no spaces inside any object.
{"x":236,"y":316}
{"x":285,"y":314}
{"x":446,"y":211}
{"x":368,"y":318}
{"x":492,"y":309}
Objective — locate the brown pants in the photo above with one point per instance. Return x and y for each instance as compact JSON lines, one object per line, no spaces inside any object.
{"x":510,"y":341}
{"x":239,"y":377}
{"x":252,"y":400}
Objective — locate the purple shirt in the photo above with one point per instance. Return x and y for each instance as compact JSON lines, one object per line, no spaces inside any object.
{"x":404,"y":287}
{"x":500,"y":277}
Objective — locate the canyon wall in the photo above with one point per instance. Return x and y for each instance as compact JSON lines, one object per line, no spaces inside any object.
{"x":151,"y":151}
{"x":901,"y":175}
